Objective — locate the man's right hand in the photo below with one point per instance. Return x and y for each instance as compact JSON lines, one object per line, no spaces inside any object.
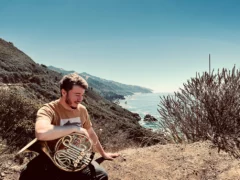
{"x":81,"y":131}
{"x":45,"y":131}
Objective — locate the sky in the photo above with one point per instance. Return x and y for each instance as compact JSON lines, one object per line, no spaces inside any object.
{"x":158,"y":44}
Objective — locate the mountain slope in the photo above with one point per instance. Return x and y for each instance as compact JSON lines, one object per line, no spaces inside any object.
{"x":109,"y":89}
{"x":19,"y":69}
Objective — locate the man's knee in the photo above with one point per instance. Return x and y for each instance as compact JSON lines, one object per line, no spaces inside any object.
{"x":102,"y":176}
{"x":37,"y":169}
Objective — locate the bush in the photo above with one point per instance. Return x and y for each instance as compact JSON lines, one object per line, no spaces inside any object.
{"x":43,"y":65}
{"x":35,"y":79}
{"x":17,"y":115}
{"x":208,"y":107}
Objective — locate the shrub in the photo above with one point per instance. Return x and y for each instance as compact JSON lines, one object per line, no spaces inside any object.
{"x":35,"y":79}
{"x":17,"y":116}
{"x":43,"y":65}
{"x":208,"y":107}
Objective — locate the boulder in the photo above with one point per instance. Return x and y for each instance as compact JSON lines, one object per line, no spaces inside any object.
{"x":149,"y":118}
{"x":136,"y":115}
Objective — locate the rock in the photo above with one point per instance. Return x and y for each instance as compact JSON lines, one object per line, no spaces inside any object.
{"x":10,"y":162}
{"x":150,"y":118}
{"x":136,"y":115}
{"x":3,"y":174}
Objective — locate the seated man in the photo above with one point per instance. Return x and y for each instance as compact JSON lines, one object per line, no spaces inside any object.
{"x":58,"y":119}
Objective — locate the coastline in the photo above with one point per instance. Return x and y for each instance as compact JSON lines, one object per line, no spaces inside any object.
{"x":143,"y":104}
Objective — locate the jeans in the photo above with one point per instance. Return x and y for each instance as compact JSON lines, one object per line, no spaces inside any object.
{"x":42,"y":168}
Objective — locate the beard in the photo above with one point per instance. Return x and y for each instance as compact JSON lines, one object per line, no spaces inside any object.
{"x":69,"y":102}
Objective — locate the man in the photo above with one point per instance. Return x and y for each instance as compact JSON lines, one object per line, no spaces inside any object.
{"x":60,"y":118}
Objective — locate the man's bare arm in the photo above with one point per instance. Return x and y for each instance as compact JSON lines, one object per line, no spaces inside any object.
{"x":45,"y":131}
{"x":95,"y":141}
{"x":98,"y":146}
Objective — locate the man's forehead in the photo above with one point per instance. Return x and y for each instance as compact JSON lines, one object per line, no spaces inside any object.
{"x":78,"y":89}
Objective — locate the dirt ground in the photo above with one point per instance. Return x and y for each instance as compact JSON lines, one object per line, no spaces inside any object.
{"x":197,"y":161}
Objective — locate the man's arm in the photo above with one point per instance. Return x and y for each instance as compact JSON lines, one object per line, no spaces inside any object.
{"x":97,"y":144}
{"x":45,"y":131}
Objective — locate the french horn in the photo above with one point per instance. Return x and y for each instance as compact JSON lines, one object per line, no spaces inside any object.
{"x":72,"y":152}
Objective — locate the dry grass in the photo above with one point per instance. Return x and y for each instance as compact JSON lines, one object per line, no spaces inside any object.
{"x":197,"y":161}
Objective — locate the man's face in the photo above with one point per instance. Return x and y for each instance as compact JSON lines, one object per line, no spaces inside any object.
{"x":74,"y":96}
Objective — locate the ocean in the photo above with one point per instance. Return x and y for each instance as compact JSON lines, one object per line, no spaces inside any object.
{"x":144,"y":103}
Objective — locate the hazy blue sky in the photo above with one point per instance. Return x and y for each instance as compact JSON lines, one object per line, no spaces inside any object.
{"x":152,"y":43}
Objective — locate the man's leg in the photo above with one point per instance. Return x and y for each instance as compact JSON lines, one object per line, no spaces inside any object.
{"x":38,"y":169}
{"x":100,"y":173}
{"x":92,"y":172}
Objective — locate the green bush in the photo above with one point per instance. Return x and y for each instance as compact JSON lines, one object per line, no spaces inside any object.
{"x":208,"y":107}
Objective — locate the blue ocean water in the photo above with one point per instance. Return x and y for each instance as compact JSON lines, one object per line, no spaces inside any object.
{"x":143,"y":104}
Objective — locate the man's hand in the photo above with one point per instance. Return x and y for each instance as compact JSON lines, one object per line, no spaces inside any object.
{"x":110,"y":156}
{"x":81,"y":131}
{"x":97,"y":145}
{"x":84,"y":131}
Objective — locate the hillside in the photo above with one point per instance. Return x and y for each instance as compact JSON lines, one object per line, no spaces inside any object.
{"x":21,"y":72}
{"x":110,"y":90}
{"x":197,"y":161}
{"x":38,"y":84}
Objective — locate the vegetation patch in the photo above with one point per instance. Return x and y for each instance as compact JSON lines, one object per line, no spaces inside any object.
{"x":208,"y":107}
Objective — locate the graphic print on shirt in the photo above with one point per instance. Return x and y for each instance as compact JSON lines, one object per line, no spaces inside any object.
{"x":71,"y":121}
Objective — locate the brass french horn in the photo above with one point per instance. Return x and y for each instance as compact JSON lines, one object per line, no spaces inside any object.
{"x":70,"y":153}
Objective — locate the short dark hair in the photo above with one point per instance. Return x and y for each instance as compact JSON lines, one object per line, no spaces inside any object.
{"x":68,"y":81}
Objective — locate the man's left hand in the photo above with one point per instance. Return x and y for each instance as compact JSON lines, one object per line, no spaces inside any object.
{"x":110,"y":156}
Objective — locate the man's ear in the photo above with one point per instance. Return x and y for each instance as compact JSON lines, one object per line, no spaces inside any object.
{"x":64,"y":93}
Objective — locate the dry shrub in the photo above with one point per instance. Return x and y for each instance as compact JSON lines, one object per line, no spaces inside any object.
{"x":17,"y":115}
{"x":117,"y":136}
{"x":208,"y":107}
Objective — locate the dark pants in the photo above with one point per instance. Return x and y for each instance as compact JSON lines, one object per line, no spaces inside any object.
{"x":42,"y":168}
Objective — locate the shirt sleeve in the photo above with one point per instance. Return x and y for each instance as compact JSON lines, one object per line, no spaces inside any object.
{"x":45,"y":113}
{"x":87,"y":123}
